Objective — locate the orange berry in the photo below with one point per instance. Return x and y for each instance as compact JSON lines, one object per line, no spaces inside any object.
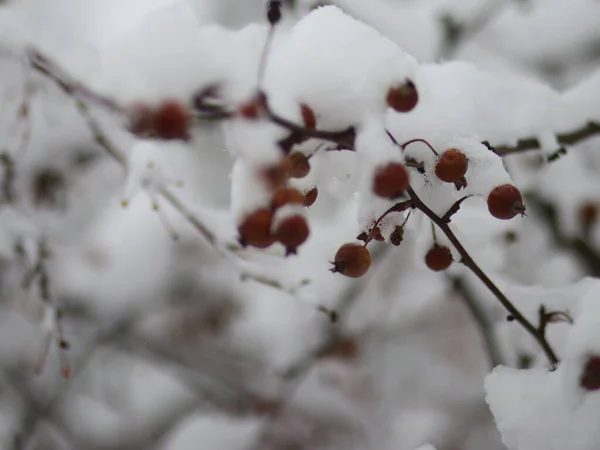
{"x":171,"y":120}
{"x":311,"y":197}
{"x":404,"y":97}
{"x":255,"y":229}
{"x":352,"y":260}
{"x":292,"y":232}
{"x":438,"y":258}
{"x":505,"y":202}
{"x":297,"y":165}
{"x":308,"y":116}
{"x":391,"y":180}
{"x":451,"y":166}
{"x":287,"y":196}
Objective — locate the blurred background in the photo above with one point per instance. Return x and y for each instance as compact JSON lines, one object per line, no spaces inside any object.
{"x":183,"y":344}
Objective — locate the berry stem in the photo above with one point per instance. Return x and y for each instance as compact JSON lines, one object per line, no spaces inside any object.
{"x":468,"y":261}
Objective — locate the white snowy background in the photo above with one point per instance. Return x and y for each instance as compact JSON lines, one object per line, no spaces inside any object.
{"x":195,"y":343}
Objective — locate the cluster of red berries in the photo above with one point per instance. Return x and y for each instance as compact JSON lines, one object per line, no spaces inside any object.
{"x":169,"y":120}
{"x":274,"y":223}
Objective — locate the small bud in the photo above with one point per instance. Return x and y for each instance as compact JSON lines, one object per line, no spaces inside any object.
{"x":404,"y":97}
{"x":590,"y":378}
{"x":451,"y":166}
{"x":390,"y":181}
{"x":172,"y":121}
{"x":292,"y":232}
{"x":255,"y":229}
{"x":505,"y":202}
{"x":287,"y":196}
{"x":352,"y":260}
{"x":297,"y":165}
{"x":438,"y":258}
{"x":397,"y":235}
{"x":308,"y":116}
{"x":311,"y":197}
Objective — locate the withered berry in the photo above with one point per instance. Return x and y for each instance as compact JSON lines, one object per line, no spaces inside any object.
{"x":390,"y":181}
{"x":255,"y":229}
{"x":171,"y":120}
{"x":451,"y":166}
{"x":404,"y":97}
{"x":351,"y":260}
{"x":397,"y":235}
{"x":588,"y":216}
{"x":287,"y":196}
{"x":308,"y":116}
{"x":297,"y":165}
{"x":438,"y":258}
{"x":590,"y":378}
{"x":505,"y":202}
{"x":311,"y":197}
{"x":292,"y":232}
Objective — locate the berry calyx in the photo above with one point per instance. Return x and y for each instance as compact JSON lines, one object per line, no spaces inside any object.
{"x":505,"y":202}
{"x":438,"y":258}
{"x":403,"y":98}
{"x":590,"y":378}
{"x":397,"y":235}
{"x":351,"y":260}
{"x":390,"y":181}
{"x":311,"y":197}
{"x":287,"y":196}
{"x":308,"y":117}
{"x":171,"y":121}
{"x":255,"y":229}
{"x":292,"y":232}
{"x":451,"y":166}
{"x":297,"y":165}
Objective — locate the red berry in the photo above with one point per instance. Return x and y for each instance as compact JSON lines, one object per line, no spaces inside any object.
{"x":308,"y":116}
{"x":171,"y":120}
{"x":352,"y":260}
{"x":287,"y":196}
{"x":292,"y":232}
{"x":274,"y":176}
{"x":438,"y":258}
{"x":255,"y":229}
{"x":297,"y":165}
{"x":390,"y":181}
{"x":404,"y":97}
{"x":451,"y":166}
{"x":505,"y":202}
{"x":590,"y":378}
{"x":311,"y":197}
{"x":397,"y":235}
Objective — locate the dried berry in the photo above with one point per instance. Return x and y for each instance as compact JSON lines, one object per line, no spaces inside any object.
{"x":287,"y":196}
{"x":451,"y":166}
{"x":311,"y":197}
{"x":352,"y":260}
{"x":308,"y":116}
{"x":588,"y":216}
{"x":274,"y":11}
{"x":397,"y":235}
{"x":390,"y":181}
{"x":505,"y":202}
{"x":404,"y":97}
{"x":255,"y":229}
{"x":590,"y":378}
{"x":343,"y":348}
{"x":171,"y":121}
{"x":297,"y":165}
{"x":376,"y":234}
{"x":292,"y":232}
{"x":438,"y":258}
